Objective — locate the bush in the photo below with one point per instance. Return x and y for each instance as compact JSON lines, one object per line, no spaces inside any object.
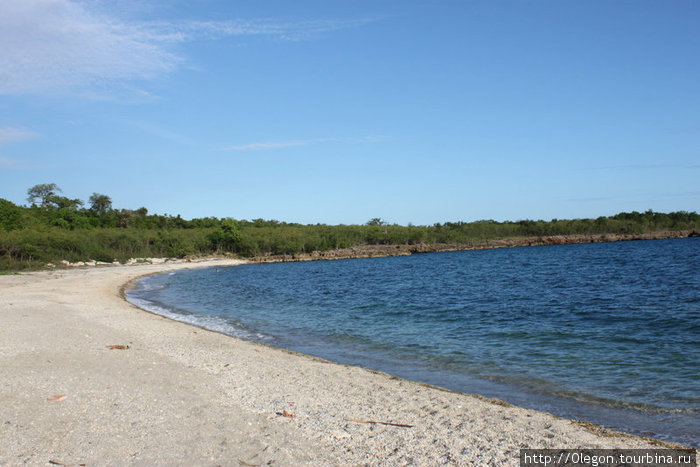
{"x":227,"y":237}
{"x":10,"y":215}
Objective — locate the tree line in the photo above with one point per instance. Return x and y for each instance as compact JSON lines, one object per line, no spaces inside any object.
{"x":53,"y":227}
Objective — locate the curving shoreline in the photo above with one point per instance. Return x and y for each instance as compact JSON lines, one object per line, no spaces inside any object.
{"x":180,"y":394}
{"x":372,"y":251}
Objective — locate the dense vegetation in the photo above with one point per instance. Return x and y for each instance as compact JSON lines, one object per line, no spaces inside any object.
{"x":55,"y":228}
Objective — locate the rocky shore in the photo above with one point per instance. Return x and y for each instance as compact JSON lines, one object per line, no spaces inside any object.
{"x":371,"y":251}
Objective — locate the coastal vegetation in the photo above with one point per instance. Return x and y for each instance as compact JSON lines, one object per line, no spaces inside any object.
{"x":55,"y":228}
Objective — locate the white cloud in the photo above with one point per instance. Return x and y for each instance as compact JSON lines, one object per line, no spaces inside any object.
{"x":272,"y":145}
{"x":284,"y":30}
{"x":307,"y":142}
{"x":9,"y":134}
{"x":57,"y":45}
{"x":644,"y":166}
{"x":7,"y":163}
{"x":159,"y":131}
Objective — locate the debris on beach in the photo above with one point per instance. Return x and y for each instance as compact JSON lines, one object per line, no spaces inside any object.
{"x":284,"y":413}
{"x":378,"y":422}
{"x":56,"y":398}
{"x":118,"y":347}
{"x":55,"y":462}
{"x":242,"y":462}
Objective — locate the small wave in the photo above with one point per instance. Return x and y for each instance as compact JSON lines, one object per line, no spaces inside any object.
{"x":149,"y":284}
{"x":545,"y":387}
{"x":212,"y":323}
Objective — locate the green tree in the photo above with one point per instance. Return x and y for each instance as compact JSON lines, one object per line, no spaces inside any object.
{"x":125,"y":217}
{"x":227,"y":237}
{"x":10,"y":215}
{"x":377,"y":221}
{"x":42,"y":193}
{"x":62,"y":202}
{"x":100,"y":204}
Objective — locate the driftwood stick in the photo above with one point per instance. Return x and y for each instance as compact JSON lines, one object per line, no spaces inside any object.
{"x":382,"y":423}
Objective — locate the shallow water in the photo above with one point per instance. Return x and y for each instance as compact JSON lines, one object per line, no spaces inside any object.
{"x":607,"y":332}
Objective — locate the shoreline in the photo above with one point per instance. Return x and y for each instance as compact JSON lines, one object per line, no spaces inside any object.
{"x":385,"y":250}
{"x":375,"y":251}
{"x":181,"y":394}
{"x":645,"y":420}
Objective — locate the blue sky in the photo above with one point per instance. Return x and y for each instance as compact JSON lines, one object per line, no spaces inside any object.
{"x":341,"y":111}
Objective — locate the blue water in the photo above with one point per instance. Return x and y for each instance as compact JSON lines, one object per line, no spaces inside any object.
{"x":607,"y":332}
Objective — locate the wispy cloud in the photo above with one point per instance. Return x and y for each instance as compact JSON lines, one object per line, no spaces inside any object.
{"x":644,"y":166}
{"x":638,"y":197}
{"x":262,"y":146}
{"x":8,"y":163}
{"x":161,"y":132}
{"x":590,"y":200}
{"x":58,"y":45}
{"x":270,"y":145}
{"x":47,"y":45}
{"x":685,"y":130}
{"x":9,"y":134}
{"x":286,"y":30}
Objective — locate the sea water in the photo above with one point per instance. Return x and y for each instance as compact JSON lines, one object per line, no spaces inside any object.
{"x":607,"y":332}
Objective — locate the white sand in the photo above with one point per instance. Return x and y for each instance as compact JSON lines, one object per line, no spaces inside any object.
{"x":184,"y":395}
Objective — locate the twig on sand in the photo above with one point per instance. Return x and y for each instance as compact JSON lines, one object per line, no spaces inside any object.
{"x":56,"y":398}
{"x":382,"y":423}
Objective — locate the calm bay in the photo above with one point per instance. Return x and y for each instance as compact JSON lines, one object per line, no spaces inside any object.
{"x":605,"y":332}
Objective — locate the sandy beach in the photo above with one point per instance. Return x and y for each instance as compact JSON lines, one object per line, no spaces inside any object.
{"x":166,"y":393}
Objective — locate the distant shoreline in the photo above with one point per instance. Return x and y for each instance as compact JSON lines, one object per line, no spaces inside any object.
{"x":35,"y":238}
{"x":378,"y":251}
{"x":374,"y":251}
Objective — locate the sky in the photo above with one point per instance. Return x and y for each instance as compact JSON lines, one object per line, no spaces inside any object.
{"x":340,"y":111}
